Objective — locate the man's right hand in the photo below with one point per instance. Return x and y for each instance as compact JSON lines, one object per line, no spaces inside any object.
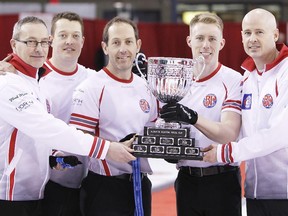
{"x":120,"y":152}
{"x":178,"y":112}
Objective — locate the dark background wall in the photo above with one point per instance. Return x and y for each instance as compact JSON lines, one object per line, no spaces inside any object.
{"x":160,"y":22}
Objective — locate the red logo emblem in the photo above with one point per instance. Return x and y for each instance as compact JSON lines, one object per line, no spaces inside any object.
{"x":144,"y":105}
{"x":267,"y":101}
{"x":210,"y":100}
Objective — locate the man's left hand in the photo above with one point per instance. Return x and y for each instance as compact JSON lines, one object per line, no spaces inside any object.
{"x":128,"y":139}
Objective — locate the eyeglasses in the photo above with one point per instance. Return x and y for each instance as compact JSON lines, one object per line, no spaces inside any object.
{"x":34,"y":43}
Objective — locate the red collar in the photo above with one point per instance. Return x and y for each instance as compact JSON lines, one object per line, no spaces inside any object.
{"x":48,"y":62}
{"x":116,"y":78}
{"x":249,"y":63}
{"x":25,"y":68}
{"x":210,"y":75}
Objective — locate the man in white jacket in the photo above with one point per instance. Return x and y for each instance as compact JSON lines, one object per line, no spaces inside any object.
{"x":212,"y":106}
{"x":61,"y":196}
{"x":103,"y":105}
{"x":264,"y":118}
{"x":29,"y":132}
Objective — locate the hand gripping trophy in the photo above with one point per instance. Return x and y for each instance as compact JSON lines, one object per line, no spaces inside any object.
{"x":169,"y":79}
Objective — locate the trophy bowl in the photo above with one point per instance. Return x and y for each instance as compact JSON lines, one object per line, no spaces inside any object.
{"x":169,"y":79}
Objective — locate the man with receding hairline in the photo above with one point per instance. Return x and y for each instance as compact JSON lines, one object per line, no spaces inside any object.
{"x":115,"y":103}
{"x":264,"y":118}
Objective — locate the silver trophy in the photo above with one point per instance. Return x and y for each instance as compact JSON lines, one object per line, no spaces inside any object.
{"x":169,"y":79}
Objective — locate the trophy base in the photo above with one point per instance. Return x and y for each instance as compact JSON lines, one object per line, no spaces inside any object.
{"x":167,"y":143}
{"x":167,"y":152}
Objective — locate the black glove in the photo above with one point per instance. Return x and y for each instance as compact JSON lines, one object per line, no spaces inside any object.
{"x":178,"y":112}
{"x":64,"y":161}
{"x":128,"y":137}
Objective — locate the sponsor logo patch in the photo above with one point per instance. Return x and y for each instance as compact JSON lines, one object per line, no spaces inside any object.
{"x":20,"y":95}
{"x":77,"y":101}
{"x":24,"y":105}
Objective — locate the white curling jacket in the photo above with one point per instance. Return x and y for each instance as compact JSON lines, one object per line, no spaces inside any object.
{"x":264,"y":128}
{"x":113,"y":108}
{"x":28,"y":133}
{"x":59,"y":86}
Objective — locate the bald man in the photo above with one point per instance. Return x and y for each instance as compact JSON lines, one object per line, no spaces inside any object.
{"x":264,"y":145}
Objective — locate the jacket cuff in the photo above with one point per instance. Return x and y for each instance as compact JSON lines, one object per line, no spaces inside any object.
{"x":224,"y":153}
{"x":99,"y":148}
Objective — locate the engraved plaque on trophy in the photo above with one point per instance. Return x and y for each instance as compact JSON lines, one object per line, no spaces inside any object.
{"x":140,"y":148}
{"x":166,"y":141}
{"x":168,"y":79}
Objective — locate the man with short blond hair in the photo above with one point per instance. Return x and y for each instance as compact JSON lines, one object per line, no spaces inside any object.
{"x":212,"y":106}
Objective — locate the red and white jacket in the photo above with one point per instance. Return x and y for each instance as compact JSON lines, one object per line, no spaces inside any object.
{"x":59,"y":86}
{"x":264,"y":146}
{"x":113,"y":108}
{"x":29,"y":132}
{"x":211,"y":96}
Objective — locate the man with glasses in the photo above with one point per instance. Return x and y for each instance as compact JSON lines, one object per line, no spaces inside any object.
{"x":33,"y":43}
{"x":28,"y":132}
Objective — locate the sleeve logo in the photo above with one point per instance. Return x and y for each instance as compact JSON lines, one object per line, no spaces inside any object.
{"x":246,"y":102}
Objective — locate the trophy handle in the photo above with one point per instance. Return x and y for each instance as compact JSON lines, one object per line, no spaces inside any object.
{"x":199,"y":62}
{"x":143,"y":57}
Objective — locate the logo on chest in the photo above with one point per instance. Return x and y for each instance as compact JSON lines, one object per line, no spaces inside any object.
{"x":210,"y":100}
{"x":267,"y":101}
{"x":144,"y":105}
